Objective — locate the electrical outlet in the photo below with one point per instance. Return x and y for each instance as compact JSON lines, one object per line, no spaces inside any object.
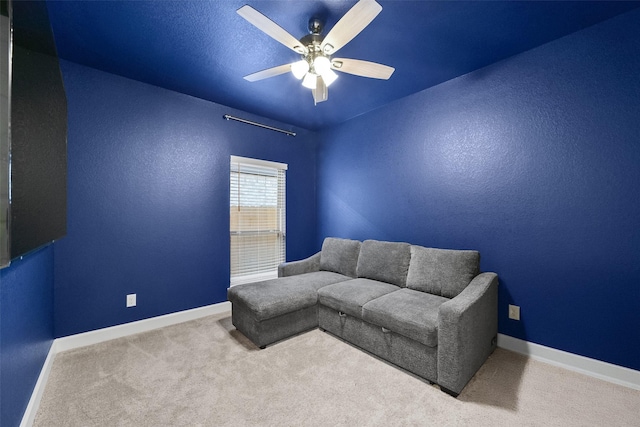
{"x":514,"y":312}
{"x":131,"y":300}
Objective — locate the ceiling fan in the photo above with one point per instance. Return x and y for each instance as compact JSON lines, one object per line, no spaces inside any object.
{"x":316,"y":68}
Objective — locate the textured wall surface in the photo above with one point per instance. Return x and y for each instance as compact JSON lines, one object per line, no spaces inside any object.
{"x":533,"y":161}
{"x":26,"y":330}
{"x":148,"y":191}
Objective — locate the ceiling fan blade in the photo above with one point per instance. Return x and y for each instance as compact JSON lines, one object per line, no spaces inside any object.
{"x":321,"y":92}
{"x":357,"y":67}
{"x":270,"y":28}
{"x":350,"y":25}
{"x":269,"y":72}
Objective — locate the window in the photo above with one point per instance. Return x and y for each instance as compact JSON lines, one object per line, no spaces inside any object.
{"x":257,"y":219}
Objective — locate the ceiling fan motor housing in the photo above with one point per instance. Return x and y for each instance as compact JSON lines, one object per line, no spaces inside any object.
{"x":312,"y":40}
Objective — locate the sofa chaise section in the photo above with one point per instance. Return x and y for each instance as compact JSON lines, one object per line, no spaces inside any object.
{"x":271,"y":310}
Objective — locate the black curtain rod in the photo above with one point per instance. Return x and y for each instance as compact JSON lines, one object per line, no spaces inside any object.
{"x":260,"y":125}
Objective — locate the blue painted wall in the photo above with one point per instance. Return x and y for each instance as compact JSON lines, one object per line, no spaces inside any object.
{"x":534,"y":161}
{"x":26,"y":330}
{"x":148,"y":199}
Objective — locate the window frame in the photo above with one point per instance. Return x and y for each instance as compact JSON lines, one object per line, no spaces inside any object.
{"x":237,"y":279}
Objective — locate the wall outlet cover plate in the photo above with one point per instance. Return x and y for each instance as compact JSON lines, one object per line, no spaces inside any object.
{"x":131,"y":300}
{"x":514,"y":312}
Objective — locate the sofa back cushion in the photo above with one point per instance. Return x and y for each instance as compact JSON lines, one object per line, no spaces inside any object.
{"x":384,"y":261}
{"x":340,"y":256}
{"x":443,"y":272}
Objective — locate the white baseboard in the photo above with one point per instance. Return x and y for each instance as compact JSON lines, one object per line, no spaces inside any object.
{"x":573,"y":362}
{"x":93,"y":337}
{"x":29,"y":415}
{"x":100,"y":335}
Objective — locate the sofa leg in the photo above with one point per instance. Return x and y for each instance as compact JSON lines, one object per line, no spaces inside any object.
{"x":262,"y":347}
{"x":449,"y":392}
{"x":321,"y":329}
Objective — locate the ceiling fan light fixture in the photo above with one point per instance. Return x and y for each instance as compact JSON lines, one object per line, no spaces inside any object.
{"x":310,"y":81}
{"x":329,"y":77}
{"x":299,"y":69}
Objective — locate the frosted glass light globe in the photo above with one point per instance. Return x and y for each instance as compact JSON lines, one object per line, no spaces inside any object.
{"x":310,"y":81}
{"x":299,"y":69}
{"x":321,"y":64}
{"x":329,"y":77}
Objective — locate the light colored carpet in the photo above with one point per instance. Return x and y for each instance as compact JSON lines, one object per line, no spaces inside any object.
{"x":205,"y":373}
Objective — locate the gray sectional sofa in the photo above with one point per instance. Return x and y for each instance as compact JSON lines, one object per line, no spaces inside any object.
{"x":429,"y":311}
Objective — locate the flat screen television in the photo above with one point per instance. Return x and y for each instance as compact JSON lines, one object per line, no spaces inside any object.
{"x":5,"y":119}
{"x":33,"y":148}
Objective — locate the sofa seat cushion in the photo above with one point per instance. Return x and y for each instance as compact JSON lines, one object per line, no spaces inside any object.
{"x":349,"y":297}
{"x":384,"y":261}
{"x":410,"y":313}
{"x":320,"y":279}
{"x":443,"y":272}
{"x":340,"y":256}
{"x":271,"y":298}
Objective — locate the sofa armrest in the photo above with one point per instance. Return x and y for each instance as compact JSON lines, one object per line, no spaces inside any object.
{"x":467,"y":330}
{"x":307,"y":265}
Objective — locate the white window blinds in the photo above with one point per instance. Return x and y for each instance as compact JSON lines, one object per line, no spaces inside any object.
{"x":257,"y":219}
